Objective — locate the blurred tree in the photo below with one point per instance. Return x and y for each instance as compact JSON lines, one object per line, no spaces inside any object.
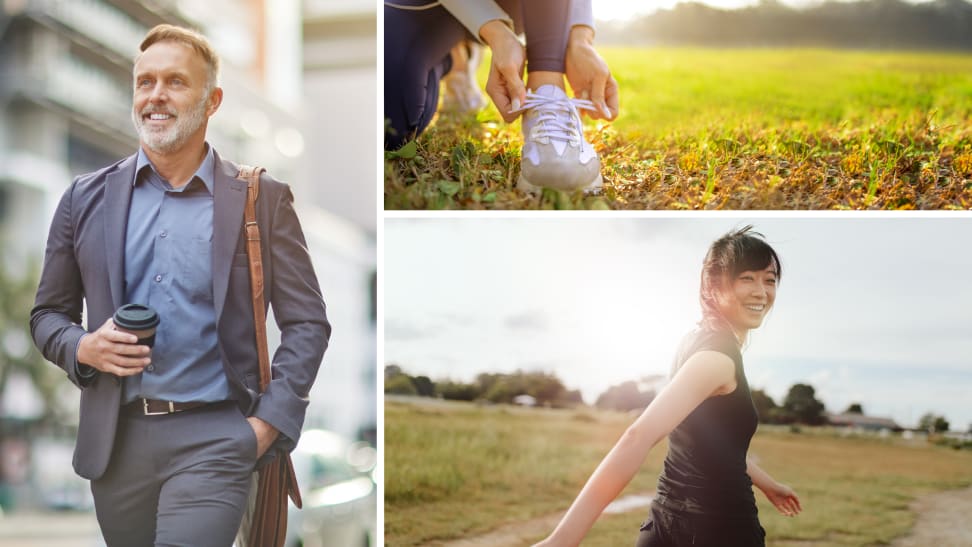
{"x":765,"y":406}
{"x":803,"y":405}
{"x":400,"y":385}
{"x":933,"y":423}
{"x":625,"y":396}
{"x":423,"y":386}
{"x":485,"y":381}
{"x":502,"y":391}
{"x":17,"y":352}
{"x":20,"y":359}
{"x":392,"y":370}
{"x":574,"y":397}
{"x":885,"y":24}
{"x":546,"y":388}
{"x":854,"y":408}
{"x":457,"y":391}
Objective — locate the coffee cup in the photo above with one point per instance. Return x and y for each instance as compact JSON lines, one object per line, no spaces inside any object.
{"x":139,"y":320}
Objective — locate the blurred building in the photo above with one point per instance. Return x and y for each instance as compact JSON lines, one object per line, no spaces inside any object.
{"x":65,"y":109}
{"x":341,"y":125}
{"x":340,"y":56}
{"x":862,"y":422}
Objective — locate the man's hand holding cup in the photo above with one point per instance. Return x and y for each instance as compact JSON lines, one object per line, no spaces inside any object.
{"x":122,"y":345}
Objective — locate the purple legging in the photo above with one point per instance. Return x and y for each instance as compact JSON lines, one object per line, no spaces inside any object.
{"x":417,"y":45}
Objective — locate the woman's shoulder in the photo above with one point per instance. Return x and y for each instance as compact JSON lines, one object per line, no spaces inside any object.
{"x":708,"y":339}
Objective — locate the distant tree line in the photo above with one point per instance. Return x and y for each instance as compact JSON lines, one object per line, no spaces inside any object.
{"x":933,"y":423}
{"x":869,"y":24}
{"x":800,"y":405}
{"x":626,"y":396}
{"x":545,"y":388}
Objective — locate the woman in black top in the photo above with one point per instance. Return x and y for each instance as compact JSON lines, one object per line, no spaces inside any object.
{"x":705,"y":495}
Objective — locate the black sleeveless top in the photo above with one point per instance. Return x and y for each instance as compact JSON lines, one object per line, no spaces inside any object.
{"x":705,"y":470}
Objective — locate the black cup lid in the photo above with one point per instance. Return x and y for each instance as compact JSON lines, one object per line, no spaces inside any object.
{"x":136,"y":317}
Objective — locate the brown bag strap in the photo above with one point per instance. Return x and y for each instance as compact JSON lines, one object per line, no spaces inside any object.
{"x":252,"y":177}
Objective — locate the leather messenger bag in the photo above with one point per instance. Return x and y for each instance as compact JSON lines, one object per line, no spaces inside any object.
{"x":265,"y":521}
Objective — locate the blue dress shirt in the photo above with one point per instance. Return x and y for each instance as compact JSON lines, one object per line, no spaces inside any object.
{"x":168,"y":266}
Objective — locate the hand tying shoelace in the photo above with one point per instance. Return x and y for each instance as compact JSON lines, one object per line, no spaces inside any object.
{"x":555,"y":153}
{"x":556,"y":117}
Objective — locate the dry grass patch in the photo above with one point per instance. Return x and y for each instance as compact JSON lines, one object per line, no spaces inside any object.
{"x":732,"y":129}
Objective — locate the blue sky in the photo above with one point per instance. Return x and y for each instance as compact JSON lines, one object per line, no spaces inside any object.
{"x":874,"y":310}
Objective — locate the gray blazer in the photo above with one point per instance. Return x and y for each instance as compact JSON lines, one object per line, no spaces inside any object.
{"x":84,"y":261}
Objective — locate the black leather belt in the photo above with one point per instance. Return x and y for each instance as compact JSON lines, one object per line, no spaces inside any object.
{"x":154,"y":407}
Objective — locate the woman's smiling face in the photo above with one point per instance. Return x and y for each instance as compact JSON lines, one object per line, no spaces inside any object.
{"x":749,"y":297}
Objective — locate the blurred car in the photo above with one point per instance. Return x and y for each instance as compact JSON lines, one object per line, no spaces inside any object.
{"x":338,"y":491}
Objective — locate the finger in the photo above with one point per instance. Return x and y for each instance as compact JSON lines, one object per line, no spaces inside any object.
{"x":611,"y":96}
{"x":124,"y":366}
{"x":123,"y":371}
{"x":135,"y":350}
{"x":110,"y":331}
{"x":130,"y":362}
{"x":497,"y":93}
{"x":796,"y":501}
{"x":597,"y":95}
{"x":792,"y":506}
{"x":118,"y":336}
{"x":514,"y":86}
{"x":503,"y":104}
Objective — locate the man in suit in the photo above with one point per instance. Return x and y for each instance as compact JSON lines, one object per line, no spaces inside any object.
{"x":169,"y":435}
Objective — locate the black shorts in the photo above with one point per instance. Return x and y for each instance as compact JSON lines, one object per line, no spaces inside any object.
{"x":668,"y":528}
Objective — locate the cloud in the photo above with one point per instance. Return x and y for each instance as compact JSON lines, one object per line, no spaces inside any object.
{"x":430,"y":326}
{"x":538,"y":366}
{"x":397,"y":329}
{"x":534,"y":320}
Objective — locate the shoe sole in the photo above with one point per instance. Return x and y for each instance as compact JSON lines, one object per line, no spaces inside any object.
{"x":524,"y":185}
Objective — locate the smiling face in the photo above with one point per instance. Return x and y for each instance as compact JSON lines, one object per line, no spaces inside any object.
{"x":173,"y":98}
{"x":748,"y":297}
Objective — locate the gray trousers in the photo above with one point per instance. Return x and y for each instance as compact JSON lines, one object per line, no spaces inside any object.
{"x":178,"y":479}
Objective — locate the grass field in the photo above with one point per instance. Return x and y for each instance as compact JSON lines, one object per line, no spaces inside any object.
{"x":732,"y":129}
{"x":456,"y":470}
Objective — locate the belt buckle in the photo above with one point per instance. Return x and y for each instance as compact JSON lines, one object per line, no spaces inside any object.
{"x":145,"y":409}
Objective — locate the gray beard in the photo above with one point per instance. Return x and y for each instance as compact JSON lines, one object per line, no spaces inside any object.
{"x":169,"y":140}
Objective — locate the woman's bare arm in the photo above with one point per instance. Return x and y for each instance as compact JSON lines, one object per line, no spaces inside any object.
{"x":781,"y":496}
{"x":704,"y":374}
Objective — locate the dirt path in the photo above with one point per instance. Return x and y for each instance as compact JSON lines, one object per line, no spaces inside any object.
{"x":516,"y":534}
{"x":943,"y":519}
{"x":522,"y":533}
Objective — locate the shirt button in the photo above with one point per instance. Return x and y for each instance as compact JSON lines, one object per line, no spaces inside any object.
{"x":158,"y":279}
{"x":150,"y":368}
{"x":164,"y":234}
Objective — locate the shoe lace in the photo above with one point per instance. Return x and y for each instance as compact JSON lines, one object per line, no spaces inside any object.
{"x":556,"y":118}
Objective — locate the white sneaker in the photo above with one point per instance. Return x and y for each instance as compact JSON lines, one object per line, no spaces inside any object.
{"x":461,"y":91}
{"x":555,"y":152}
